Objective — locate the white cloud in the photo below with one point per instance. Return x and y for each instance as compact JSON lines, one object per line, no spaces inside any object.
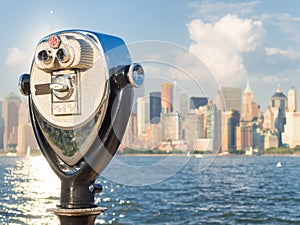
{"x":221,"y":45}
{"x":289,"y":54}
{"x":15,"y":57}
{"x":288,"y":24}
{"x":214,"y":10}
{"x":270,"y":80}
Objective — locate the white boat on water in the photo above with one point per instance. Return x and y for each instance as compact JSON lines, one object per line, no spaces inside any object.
{"x":198,"y":156}
{"x":278,"y":165}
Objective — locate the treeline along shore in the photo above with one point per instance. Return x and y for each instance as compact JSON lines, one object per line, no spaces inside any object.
{"x":282,"y":151}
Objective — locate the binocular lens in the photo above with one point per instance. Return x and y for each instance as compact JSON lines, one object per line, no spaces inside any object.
{"x":44,"y":56}
{"x":62,"y":55}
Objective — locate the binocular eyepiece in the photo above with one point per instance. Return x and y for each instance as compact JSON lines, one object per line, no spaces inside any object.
{"x":80,"y":91}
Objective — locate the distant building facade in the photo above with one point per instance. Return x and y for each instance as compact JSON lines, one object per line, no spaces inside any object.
{"x":292,"y":100}
{"x":291,"y":134}
{"x":10,"y":111}
{"x":167,"y":97}
{"x":229,"y":98}
{"x":155,"y":107}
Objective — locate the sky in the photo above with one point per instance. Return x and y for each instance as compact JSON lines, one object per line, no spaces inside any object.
{"x":237,"y":41}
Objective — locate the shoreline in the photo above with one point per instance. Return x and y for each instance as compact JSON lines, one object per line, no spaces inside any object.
{"x":173,"y":155}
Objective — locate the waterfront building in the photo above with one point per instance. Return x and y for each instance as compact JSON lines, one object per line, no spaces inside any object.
{"x":130,"y":135}
{"x":292,"y":100}
{"x":10,"y":110}
{"x":172,"y":126}
{"x":244,"y":136}
{"x":257,"y":136}
{"x":183,"y":103}
{"x":270,"y":140}
{"x":291,"y":134}
{"x":229,"y":98}
{"x":155,"y":136}
{"x":230,"y":119}
{"x":278,"y":104}
{"x":204,"y":144}
{"x":269,"y":120}
{"x":213,"y":126}
{"x":143,"y":115}
{"x":155,"y":107}
{"x":167,"y":97}
{"x":26,"y":138}
{"x":192,"y":128}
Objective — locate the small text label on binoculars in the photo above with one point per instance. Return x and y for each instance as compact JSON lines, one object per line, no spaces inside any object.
{"x":65,"y":108}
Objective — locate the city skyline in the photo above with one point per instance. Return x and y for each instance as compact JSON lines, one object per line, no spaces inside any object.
{"x":236,"y":41}
{"x":237,"y":122}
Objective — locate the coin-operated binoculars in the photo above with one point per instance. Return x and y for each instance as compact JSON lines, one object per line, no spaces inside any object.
{"x":80,"y":91}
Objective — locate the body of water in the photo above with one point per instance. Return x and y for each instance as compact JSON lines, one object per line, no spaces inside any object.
{"x":230,"y":190}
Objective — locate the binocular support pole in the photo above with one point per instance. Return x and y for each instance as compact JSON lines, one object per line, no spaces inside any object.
{"x":77,"y":204}
{"x":78,"y":216}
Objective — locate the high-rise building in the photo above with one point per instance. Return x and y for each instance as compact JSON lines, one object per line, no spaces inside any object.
{"x":26,"y":137}
{"x":143,"y":115}
{"x":130,"y":134}
{"x":269,"y":120}
{"x":230,"y":120}
{"x":229,"y":98}
{"x":291,"y":134}
{"x":251,"y":109}
{"x":155,"y":107}
{"x":192,"y":128}
{"x":213,"y":126}
{"x":167,"y":97}
{"x":292,"y":100}
{"x":183,"y":103}
{"x":278,"y":105}
{"x":270,"y":140}
{"x":244,"y":136}
{"x":172,"y":126}
{"x":196,"y":102}
{"x":10,"y":111}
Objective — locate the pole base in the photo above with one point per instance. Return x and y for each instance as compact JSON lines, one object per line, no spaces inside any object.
{"x":85,"y":216}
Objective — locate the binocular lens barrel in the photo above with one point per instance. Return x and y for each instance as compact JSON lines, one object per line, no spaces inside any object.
{"x":62,"y":55}
{"x":44,"y":56}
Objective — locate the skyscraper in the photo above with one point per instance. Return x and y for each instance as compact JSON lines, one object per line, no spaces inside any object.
{"x":25,"y":132}
{"x":143,"y":115}
{"x":230,"y":120}
{"x":292,"y":100}
{"x":192,"y":127}
{"x":278,"y":105}
{"x":155,"y":107}
{"x":167,"y":97}
{"x":183,"y":103}
{"x":229,"y":98}
{"x":172,"y":126}
{"x":244,"y":136}
{"x":251,"y":109}
{"x":291,"y":134}
{"x":10,"y":111}
{"x":213,"y":126}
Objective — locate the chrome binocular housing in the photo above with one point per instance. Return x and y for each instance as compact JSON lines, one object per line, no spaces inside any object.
{"x":80,"y":91}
